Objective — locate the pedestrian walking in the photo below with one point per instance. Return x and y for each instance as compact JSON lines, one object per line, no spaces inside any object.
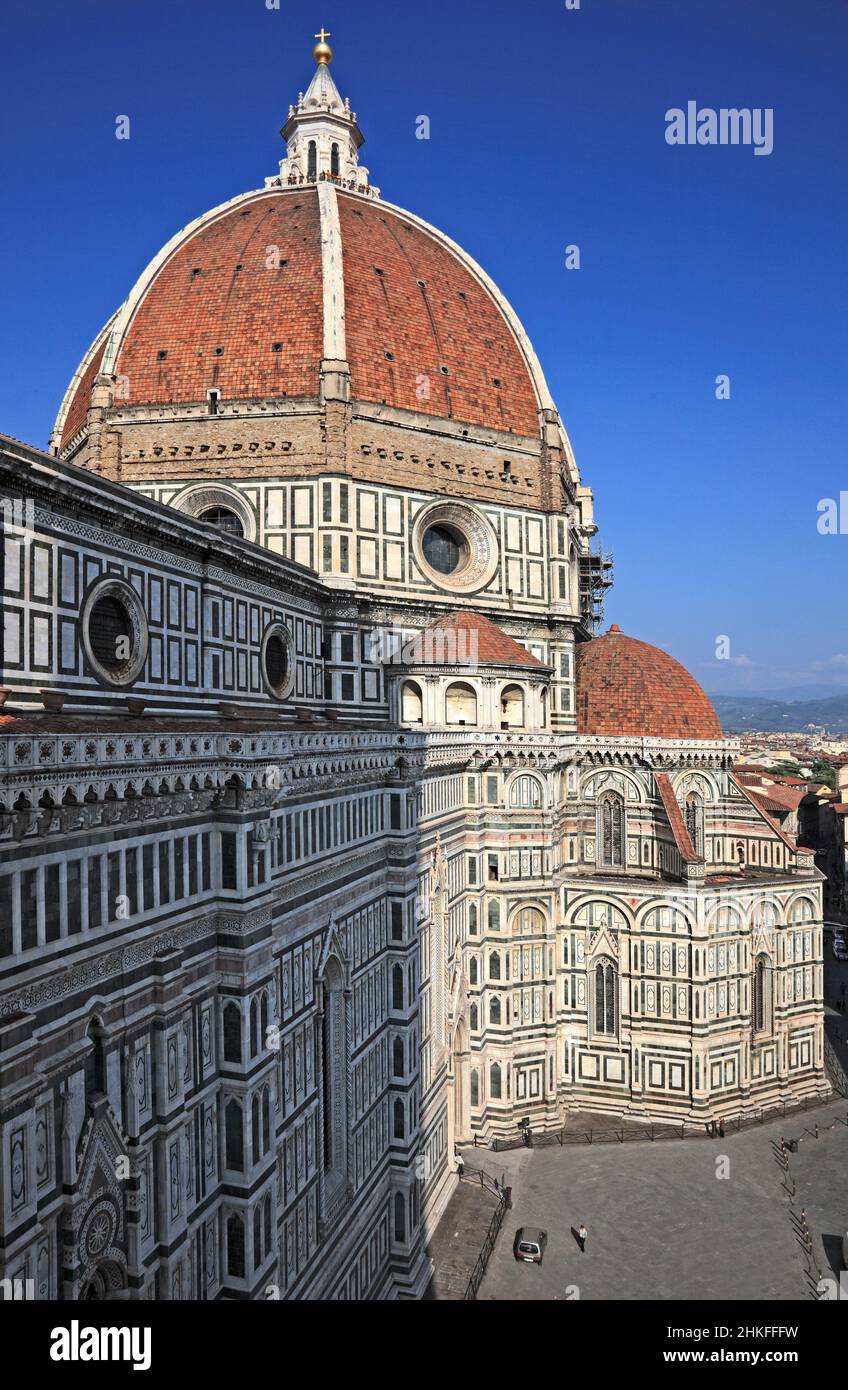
{"x":460,"y":1166}
{"x":582,"y":1235}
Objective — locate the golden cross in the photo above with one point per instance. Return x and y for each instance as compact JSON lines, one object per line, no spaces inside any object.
{"x":323,"y":36}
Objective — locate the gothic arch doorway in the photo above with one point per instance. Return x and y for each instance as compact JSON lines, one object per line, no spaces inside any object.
{"x":107,"y":1282}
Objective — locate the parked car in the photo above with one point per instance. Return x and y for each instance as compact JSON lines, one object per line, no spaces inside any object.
{"x":529,"y":1245}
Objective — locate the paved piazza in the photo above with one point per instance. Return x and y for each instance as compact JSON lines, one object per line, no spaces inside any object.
{"x":663,"y":1226}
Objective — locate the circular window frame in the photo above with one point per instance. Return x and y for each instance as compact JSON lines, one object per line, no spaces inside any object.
{"x":129,"y":671}
{"x":278,"y":630}
{"x":480,"y":541}
{"x":201,"y":497}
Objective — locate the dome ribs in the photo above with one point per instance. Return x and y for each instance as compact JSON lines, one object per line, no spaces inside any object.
{"x":218,"y":326}
{"x":452,"y":322}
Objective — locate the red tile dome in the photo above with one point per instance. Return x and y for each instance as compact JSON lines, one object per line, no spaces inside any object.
{"x":213,"y":311}
{"x":626,"y":687}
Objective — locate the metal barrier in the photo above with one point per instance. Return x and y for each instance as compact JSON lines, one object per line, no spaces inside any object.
{"x":504,"y":1203}
{"x":624,"y":1134}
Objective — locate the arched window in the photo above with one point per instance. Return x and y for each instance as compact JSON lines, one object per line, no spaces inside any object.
{"x":224,"y":518}
{"x":232,"y":1033}
{"x":334,"y":1070}
{"x":397,"y":986}
{"x":495,"y":1081}
{"x":460,"y":704}
{"x":267,"y":1224}
{"x":257,"y":1237}
{"x":606,"y":998}
{"x":400,"y":1217}
{"x":472,"y":919}
{"x":254,"y":1027}
{"x":398,"y":1067}
{"x":399,"y":1120}
{"x":529,"y":920}
{"x":611,"y":830}
{"x":525,"y":792}
{"x":475,"y":1088}
{"x":494,"y":966}
{"x":411,"y":704}
{"x":235,"y":1246}
{"x":472,"y":970}
{"x":495,"y":1010}
{"x":475,"y":1018}
{"x":255,"y":1111}
{"x":263,"y":1021}
{"x":95,"y":1061}
{"x":266,"y":1120}
{"x":512,"y":707}
{"x":762,"y":995}
{"x":494,"y":915}
{"x":312,"y":160}
{"x":334,"y":160}
{"x":695,"y":821}
{"x":234,"y":1136}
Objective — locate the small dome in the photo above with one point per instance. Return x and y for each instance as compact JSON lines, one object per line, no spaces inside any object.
{"x":626,"y":687}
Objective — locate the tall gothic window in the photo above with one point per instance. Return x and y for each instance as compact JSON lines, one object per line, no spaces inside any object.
{"x":234,"y":1136}
{"x":606,"y":998}
{"x":312,"y":167}
{"x":235,"y":1246}
{"x":611,"y":830}
{"x":495,"y":1081}
{"x":495,"y":1010}
{"x":334,"y":160}
{"x":255,"y":1126}
{"x":334,"y":1071}
{"x":257,"y":1237}
{"x":266,"y":1120}
{"x":695,"y":821}
{"x":95,"y":1061}
{"x":400,"y":1217}
{"x":762,"y":996}
{"x":232,"y":1033}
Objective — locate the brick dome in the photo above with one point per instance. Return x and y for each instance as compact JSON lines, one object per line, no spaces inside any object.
{"x":626,"y":687}
{"x":420,"y":325}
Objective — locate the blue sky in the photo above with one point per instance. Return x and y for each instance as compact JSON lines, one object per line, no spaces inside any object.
{"x":547,"y":130}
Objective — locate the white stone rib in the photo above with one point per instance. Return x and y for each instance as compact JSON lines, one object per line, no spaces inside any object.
{"x":77,"y":377}
{"x":335,"y":345}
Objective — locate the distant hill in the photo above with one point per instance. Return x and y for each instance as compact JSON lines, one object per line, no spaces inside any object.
{"x":739,"y":713}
